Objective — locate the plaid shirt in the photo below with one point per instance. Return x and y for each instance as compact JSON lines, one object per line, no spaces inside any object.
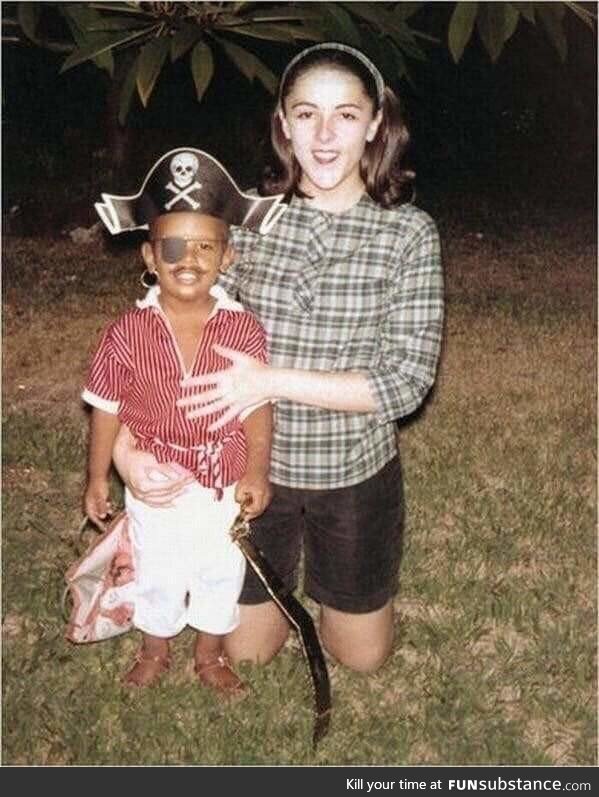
{"x":361,"y":291}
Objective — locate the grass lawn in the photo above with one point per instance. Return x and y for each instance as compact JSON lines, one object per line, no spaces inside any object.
{"x":494,"y":660}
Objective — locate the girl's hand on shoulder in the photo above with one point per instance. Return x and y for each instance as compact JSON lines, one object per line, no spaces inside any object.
{"x":96,"y":503}
{"x":254,"y":493}
{"x":241,"y":386}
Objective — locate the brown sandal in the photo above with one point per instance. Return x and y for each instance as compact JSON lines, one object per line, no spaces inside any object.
{"x":148,"y":675}
{"x":218,"y":675}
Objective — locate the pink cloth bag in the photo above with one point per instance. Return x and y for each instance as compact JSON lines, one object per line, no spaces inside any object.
{"x":102,"y":586}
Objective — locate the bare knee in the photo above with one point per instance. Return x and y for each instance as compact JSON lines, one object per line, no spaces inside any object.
{"x":362,"y":642}
{"x":364,"y":660}
{"x":260,"y":635}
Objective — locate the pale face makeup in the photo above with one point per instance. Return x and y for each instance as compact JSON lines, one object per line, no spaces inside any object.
{"x":329,"y":118}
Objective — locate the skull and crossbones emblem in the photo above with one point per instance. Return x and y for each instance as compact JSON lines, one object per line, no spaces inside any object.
{"x":184,"y":167}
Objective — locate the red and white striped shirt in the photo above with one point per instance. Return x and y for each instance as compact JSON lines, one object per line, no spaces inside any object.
{"x":136,"y":374}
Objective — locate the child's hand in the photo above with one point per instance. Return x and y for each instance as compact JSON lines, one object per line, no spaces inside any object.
{"x":253,"y":491}
{"x":96,"y":503}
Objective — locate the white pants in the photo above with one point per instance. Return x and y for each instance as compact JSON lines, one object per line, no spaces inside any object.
{"x":188,"y":571}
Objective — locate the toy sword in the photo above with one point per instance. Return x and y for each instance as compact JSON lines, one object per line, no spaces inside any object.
{"x":297,"y":616}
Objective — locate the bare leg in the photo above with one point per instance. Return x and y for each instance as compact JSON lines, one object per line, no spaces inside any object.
{"x":260,"y":635}
{"x":212,"y":667}
{"x":150,"y":663}
{"x":361,"y":642}
{"x":207,"y":647}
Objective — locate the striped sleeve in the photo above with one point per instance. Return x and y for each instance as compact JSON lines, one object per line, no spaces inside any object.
{"x":110,"y":372}
{"x":255,"y":343}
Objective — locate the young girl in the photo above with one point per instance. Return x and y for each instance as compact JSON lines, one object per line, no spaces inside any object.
{"x":187,"y":569}
{"x":349,"y":288}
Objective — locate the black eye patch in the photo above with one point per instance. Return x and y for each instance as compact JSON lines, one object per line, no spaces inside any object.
{"x":172,"y":249}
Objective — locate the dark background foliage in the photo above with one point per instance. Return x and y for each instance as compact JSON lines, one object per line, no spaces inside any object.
{"x":519,"y":132}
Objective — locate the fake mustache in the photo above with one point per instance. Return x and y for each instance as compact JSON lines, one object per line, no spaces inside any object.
{"x":188,"y":269}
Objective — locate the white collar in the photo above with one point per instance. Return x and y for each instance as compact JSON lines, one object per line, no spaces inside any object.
{"x":223,"y":300}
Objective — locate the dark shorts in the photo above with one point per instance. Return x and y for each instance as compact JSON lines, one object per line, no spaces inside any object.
{"x":352,"y":538}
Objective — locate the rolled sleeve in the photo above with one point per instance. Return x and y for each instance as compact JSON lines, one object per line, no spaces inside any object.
{"x":255,"y":346}
{"x":112,"y":407}
{"x":412,"y":331}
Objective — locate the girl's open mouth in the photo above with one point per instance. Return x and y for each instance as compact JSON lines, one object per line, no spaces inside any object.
{"x":324,"y":157}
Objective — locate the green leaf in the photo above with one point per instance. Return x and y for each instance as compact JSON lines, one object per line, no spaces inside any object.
{"x":184,"y":38}
{"x":117,"y":23}
{"x":343,"y":27}
{"x":527,"y":10}
{"x":551,"y":15}
{"x":151,"y":60}
{"x":278,"y":33}
{"x":305,"y":32}
{"x":123,"y":8}
{"x":407,"y":10}
{"x":80,"y":15}
{"x":202,"y":67}
{"x":28,"y":15}
{"x":383,"y":52}
{"x":105,"y":61}
{"x":461,"y":26}
{"x":81,"y":19}
{"x":388,"y":24}
{"x":400,"y":61}
{"x":308,"y":23}
{"x":489,"y":29}
{"x":100,"y":44}
{"x":369,"y":12}
{"x":249,"y":65}
{"x":288,"y":13}
{"x":270,"y":17}
{"x":407,"y":44}
{"x":127,"y":92}
{"x":511,"y":19}
{"x":582,"y":14}
{"x":496,"y":22}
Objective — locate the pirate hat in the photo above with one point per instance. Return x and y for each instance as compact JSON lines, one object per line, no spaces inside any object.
{"x":188,"y":179}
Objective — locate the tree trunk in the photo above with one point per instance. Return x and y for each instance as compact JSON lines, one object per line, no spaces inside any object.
{"x":119,"y":138}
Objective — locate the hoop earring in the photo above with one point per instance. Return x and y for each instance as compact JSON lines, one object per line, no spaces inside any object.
{"x":148,"y":279}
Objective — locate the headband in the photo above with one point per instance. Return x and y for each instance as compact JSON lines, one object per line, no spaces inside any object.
{"x":344,"y":48}
{"x":189,"y":180}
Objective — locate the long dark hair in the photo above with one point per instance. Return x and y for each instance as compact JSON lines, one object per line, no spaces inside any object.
{"x":381,"y":164}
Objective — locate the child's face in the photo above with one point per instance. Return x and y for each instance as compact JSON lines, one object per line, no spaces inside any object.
{"x":187,"y":251}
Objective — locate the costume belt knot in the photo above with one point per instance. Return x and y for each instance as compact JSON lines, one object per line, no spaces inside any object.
{"x":189,"y":180}
{"x":208,"y":457}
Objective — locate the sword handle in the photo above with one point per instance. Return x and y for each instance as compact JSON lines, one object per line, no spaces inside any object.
{"x":241,"y":525}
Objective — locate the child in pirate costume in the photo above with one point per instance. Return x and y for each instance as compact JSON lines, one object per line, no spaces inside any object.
{"x":187,"y":570}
